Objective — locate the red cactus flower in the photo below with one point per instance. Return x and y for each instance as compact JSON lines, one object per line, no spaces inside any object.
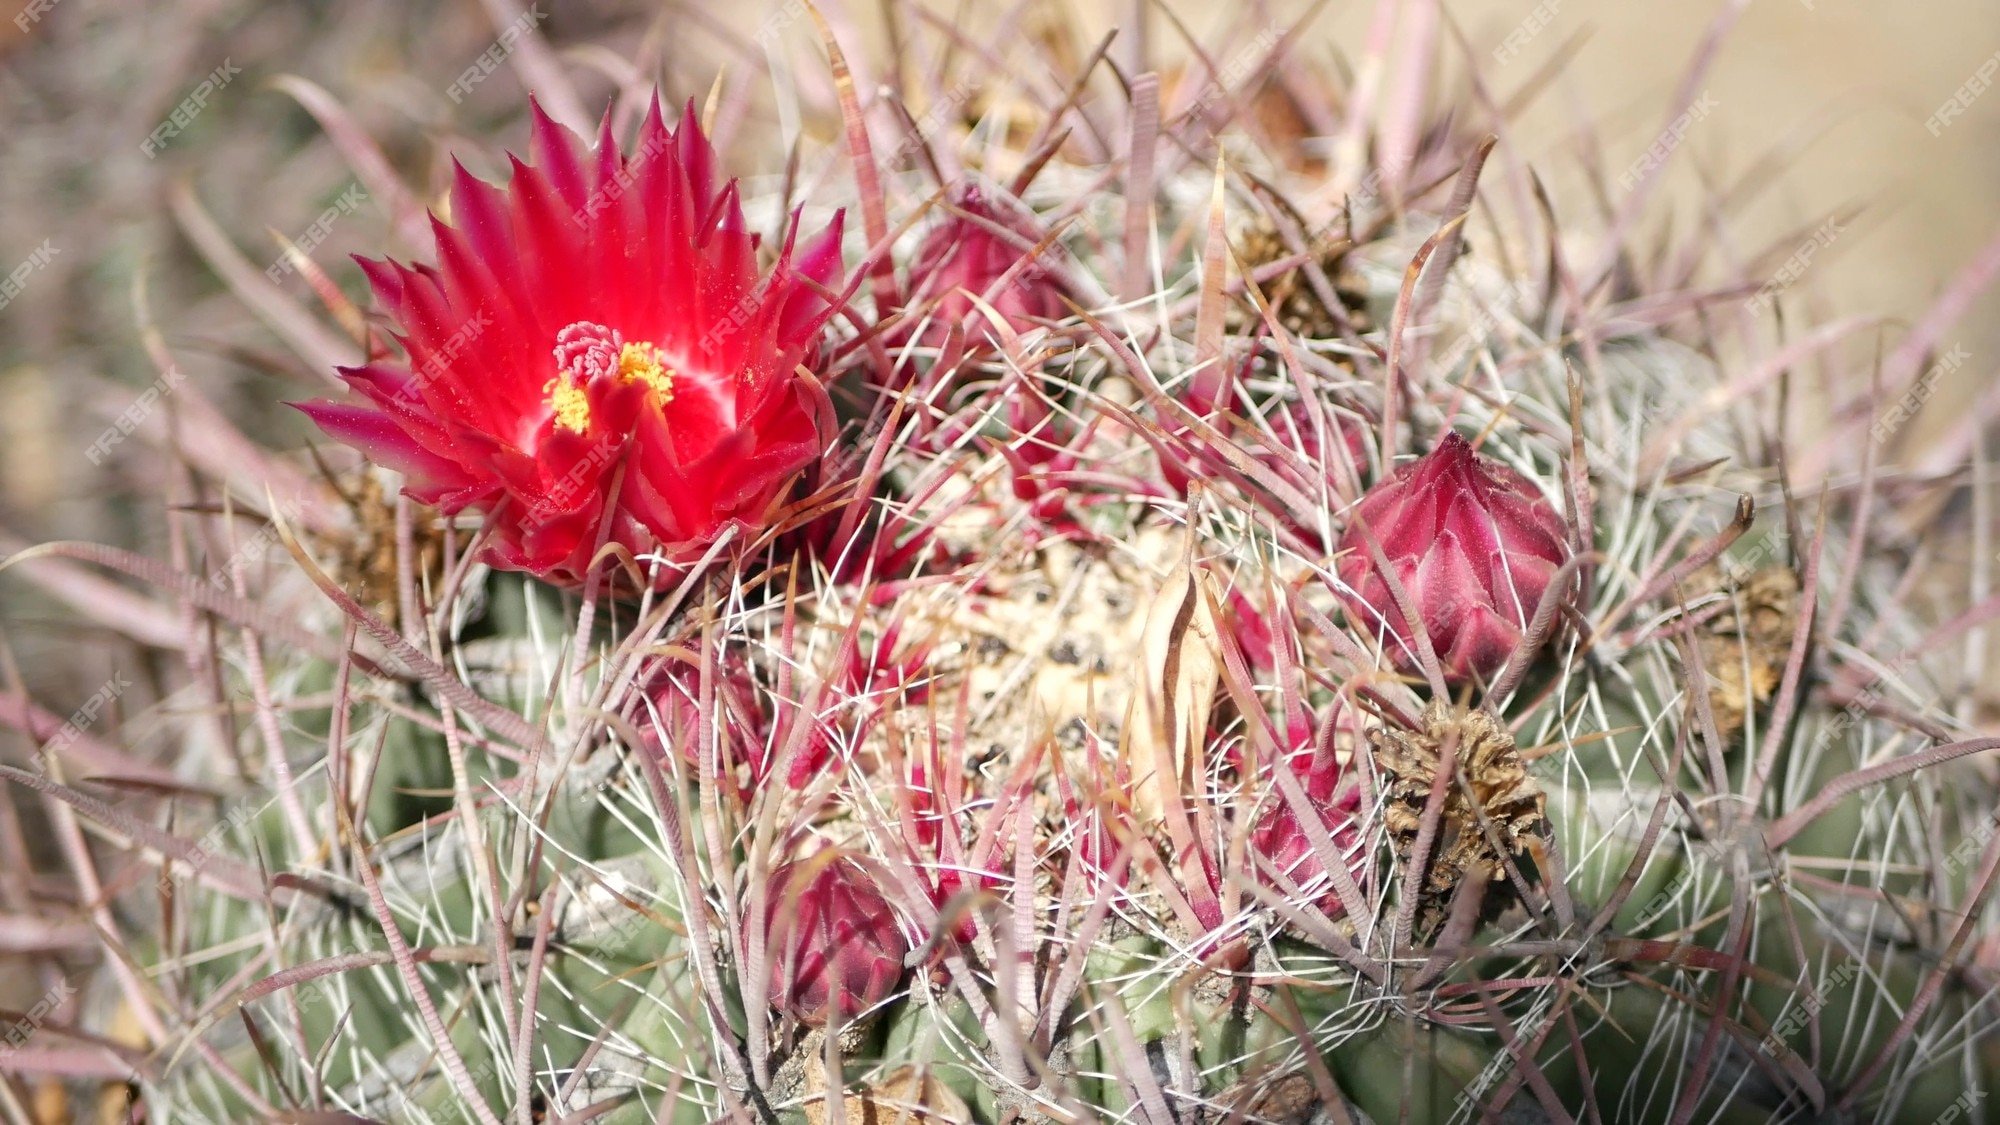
{"x":964,"y":256}
{"x":593,"y":354}
{"x":1474,"y":545}
{"x":833,"y":945}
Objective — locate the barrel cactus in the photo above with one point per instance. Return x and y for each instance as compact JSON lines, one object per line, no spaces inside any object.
{"x":1103,"y":613}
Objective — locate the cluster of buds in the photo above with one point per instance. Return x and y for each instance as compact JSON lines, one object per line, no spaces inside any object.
{"x":1472,"y":545}
{"x":597,"y":360}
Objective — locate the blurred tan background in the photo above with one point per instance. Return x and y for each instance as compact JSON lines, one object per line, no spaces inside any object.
{"x":1845,"y":86}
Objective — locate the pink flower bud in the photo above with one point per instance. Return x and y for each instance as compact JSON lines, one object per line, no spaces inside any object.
{"x":1474,"y":545}
{"x":1283,"y":841}
{"x":832,"y":941}
{"x":668,"y":714}
{"x":962,"y":257}
{"x":1280,"y":837}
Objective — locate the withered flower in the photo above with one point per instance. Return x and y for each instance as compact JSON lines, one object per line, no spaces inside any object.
{"x":1488,"y":814}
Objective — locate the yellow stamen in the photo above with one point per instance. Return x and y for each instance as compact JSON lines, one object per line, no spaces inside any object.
{"x":572,"y":406}
{"x":643,"y":362}
{"x":638,"y":362}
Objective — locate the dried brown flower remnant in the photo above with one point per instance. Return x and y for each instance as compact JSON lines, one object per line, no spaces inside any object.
{"x":1292,"y":295}
{"x":1743,"y":649}
{"x":365,"y":558}
{"x":1492,"y":782}
{"x":1291,"y":1099}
